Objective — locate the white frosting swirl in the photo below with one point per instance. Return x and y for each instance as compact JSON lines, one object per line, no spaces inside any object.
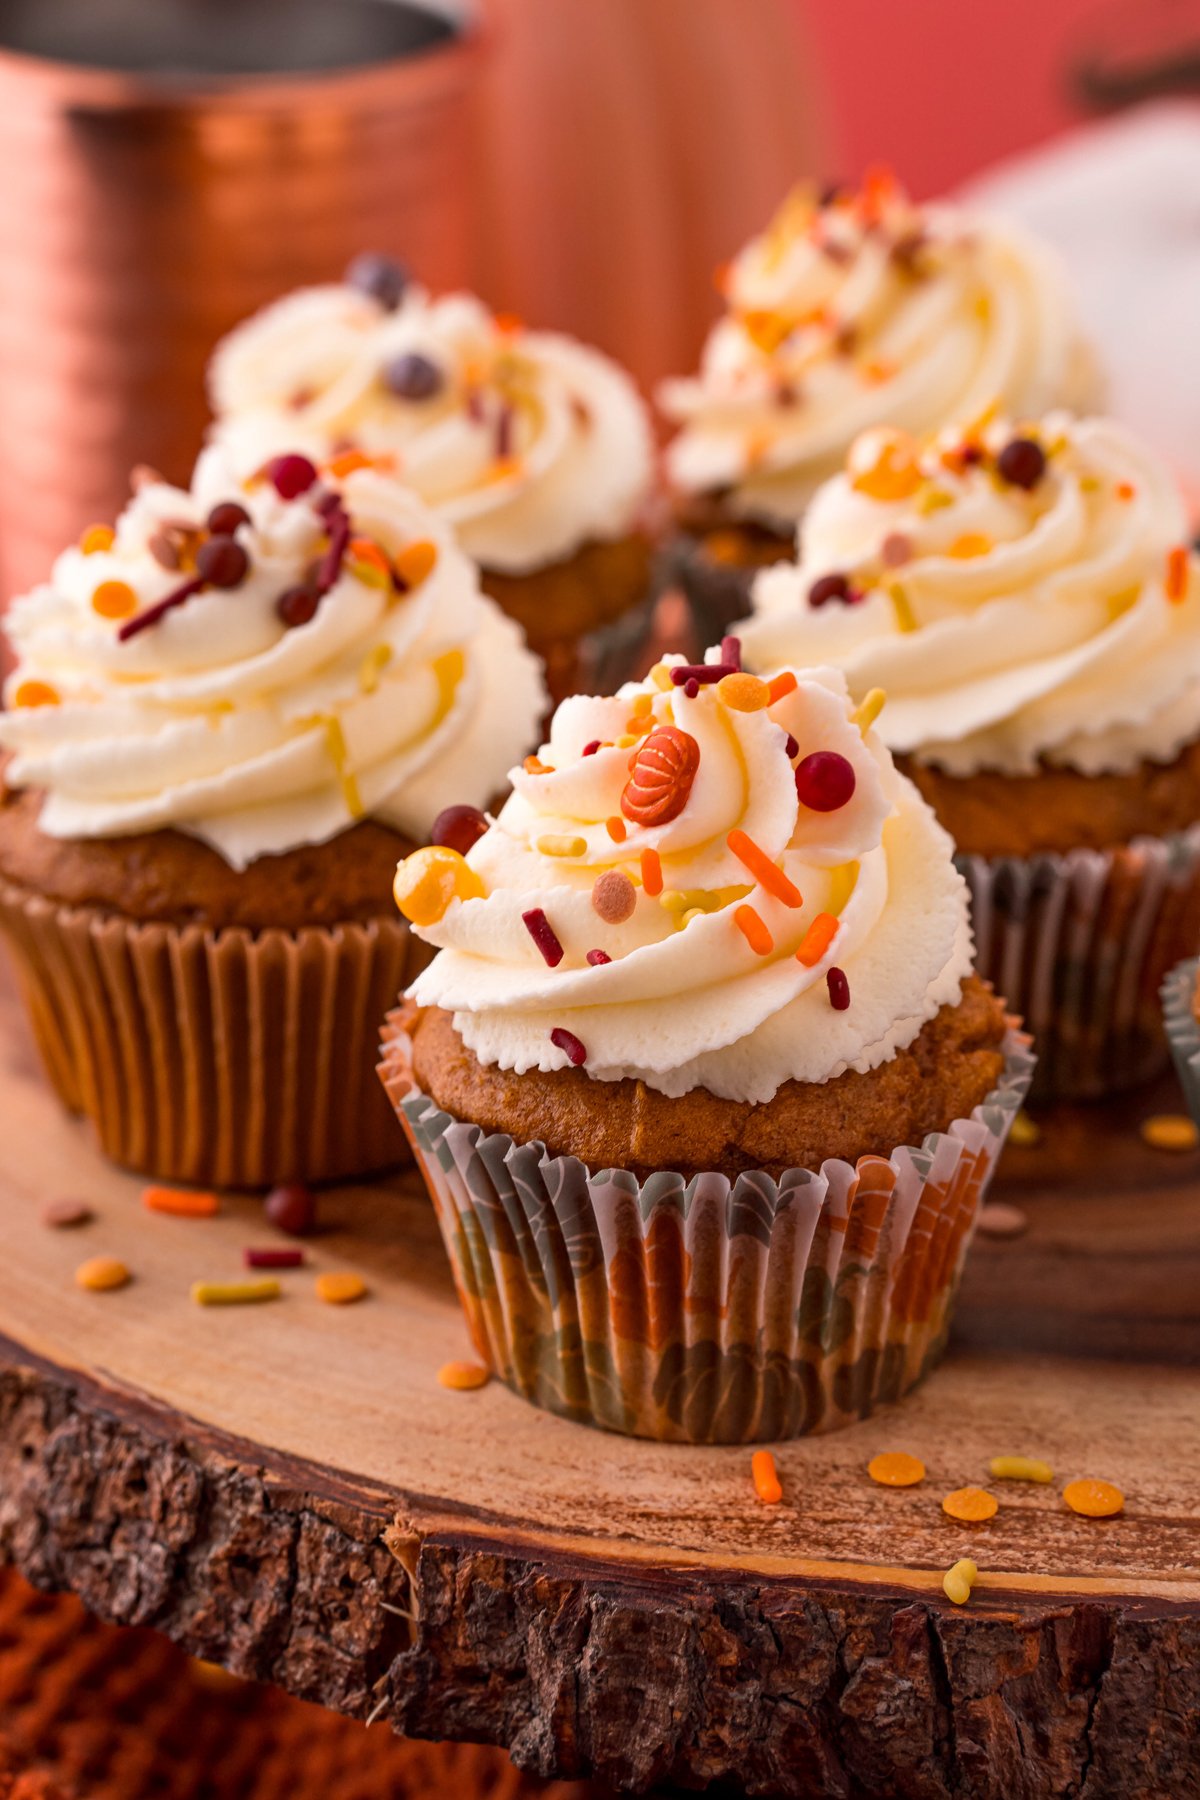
{"x":686,"y":1001}
{"x":531,"y":445}
{"x":1006,"y":625}
{"x":864,"y":310}
{"x":222,"y":722}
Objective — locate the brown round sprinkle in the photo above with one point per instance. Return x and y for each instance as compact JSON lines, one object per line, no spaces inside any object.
{"x":100,"y":1273}
{"x":614,"y":896}
{"x":463,"y":1375}
{"x":340,"y":1289}
{"x":999,"y":1220}
{"x":62,"y":1215}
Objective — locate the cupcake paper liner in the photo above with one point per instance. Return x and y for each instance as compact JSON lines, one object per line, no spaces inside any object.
{"x":231,"y":1059}
{"x":1079,"y":944}
{"x":1183,"y":1029}
{"x":717,"y":593}
{"x":704,"y":1311}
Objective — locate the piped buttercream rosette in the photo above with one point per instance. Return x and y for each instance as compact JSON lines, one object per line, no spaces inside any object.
{"x":262,"y":662}
{"x":706,"y":880}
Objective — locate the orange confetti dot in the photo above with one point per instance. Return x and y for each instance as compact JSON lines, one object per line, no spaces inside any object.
{"x":371,"y":561}
{"x":1094,"y":1499}
{"x":971,"y":543}
{"x":181,"y":1202}
{"x":100,"y":1274}
{"x":652,"y":875}
{"x":97,"y":537}
{"x":754,"y":930}
{"x":817,"y":939}
{"x":1125,"y":490}
{"x":766,"y":1481}
{"x":416,"y":562}
{"x":971,"y":1505}
{"x":1178,"y":571}
{"x":35,"y":693}
{"x":462,"y":1376}
{"x":114,"y":600}
{"x":340,"y":1289}
{"x":896,"y":1468}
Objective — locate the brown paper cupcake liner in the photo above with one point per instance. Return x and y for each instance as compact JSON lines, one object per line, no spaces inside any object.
{"x":1079,"y":944}
{"x":717,"y":592}
{"x":1183,"y":1028}
{"x":705,"y":1311}
{"x":231,"y":1059}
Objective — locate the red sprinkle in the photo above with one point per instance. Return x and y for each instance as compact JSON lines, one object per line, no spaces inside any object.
{"x":542,"y":932}
{"x":338,"y":520}
{"x":591,"y":749}
{"x":731,"y":651}
{"x":825,"y":781}
{"x":839,"y":989}
{"x":703,"y":673}
{"x":691,"y":689}
{"x":598,"y":957}
{"x":273,"y":1259}
{"x":291,"y":475}
{"x":141,"y":621}
{"x":791,"y":747}
{"x":566,"y":1040}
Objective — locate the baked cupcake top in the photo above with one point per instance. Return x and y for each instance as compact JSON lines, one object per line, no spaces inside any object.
{"x":702,"y":881}
{"x":1019,"y":592}
{"x":261,"y":664}
{"x":854,"y":309}
{"x":527,"y":443}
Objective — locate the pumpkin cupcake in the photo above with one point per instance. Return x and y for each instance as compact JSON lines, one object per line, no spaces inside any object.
{"x":1026,"y":597}
{"x":700,"y":1080}
{"x":533,"y":448}
{"x":229,"y":716}
{"x":1181,"y":1011}
{"x":852,"y":309}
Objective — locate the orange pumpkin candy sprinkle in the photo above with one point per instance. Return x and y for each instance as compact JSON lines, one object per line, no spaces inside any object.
{"x":661,"y":773}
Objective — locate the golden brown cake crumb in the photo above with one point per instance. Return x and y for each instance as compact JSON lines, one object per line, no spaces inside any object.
{"x":989,"y":814}
{"x":170,"y":878}
{"x":947,"y":1070}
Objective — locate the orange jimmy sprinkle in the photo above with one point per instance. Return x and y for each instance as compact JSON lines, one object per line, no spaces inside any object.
{"x":35,"y":693}
{"x":533,"y":765}
{"x":1125,"y":490}
{"x":97,"y":537}
{"x":782,"y":685}
{"x":652,"y":876}
{"x":365,"y":549}
{"x":754,"y":931}
{"x":817,"y":939}
{"x":1177,"y":574}
{"x":181,"y":1202}
{"x":766,"y":1481}
{"x":615,"y":828}
{"x":763,"y":869}
{"x":114,"y":600}
{"x":416,"y":561}
{"x":347,"y":462}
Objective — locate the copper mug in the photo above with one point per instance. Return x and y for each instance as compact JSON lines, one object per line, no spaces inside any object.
{"x":238,"y":148}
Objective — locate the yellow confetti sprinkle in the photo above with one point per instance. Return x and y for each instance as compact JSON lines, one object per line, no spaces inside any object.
{"x":235,"y":1293}
{"x":1025,"y":1131}
{"x":959,"y":1579}
{"x":554,"y":845}
{"x":1020,"y":1468}
{"x":1170,"y":1131}
{"x":866,"y":713}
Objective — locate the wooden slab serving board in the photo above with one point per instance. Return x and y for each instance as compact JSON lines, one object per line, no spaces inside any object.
{"x":288,"y":1490}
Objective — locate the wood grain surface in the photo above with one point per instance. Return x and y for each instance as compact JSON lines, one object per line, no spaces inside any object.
{"x":287,"y":1489}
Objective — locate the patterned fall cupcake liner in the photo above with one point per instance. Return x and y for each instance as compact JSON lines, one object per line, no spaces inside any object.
{"x":1079,"y":944}
{"x":230,"y":1059}
{"x":717,"y":593}
{"x":705,"y":1311}
{"x":1183,"y":1028}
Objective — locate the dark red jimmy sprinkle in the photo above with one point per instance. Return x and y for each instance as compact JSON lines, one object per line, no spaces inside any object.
{"x":791,"y":747}
{"x":731,"y":652}
{"x":222,"y":562}
{"x":330,"y":567}
{"x":224,"y":519}
{"x":272,"y":1259}
{"x":839,"y":989}
{"x":291,"y":475}
{"x":458,"y":827}
{"x":542,"y":932}
{"x":598,"y":958}
{"x":691,"y":688}
{"x":824,"y":781}
{"x":1022,"y":463}
{"x":504,"y":431}
{"x":830,"y":587}
{"x":566,"y":1040}
{"x":702,"y":673}
{"x":381,"y":278}
{"x":413,"y":376}
{"x":143,"y":620}
{"x":591,"y":749}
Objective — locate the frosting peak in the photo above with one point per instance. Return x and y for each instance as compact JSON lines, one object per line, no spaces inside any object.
{"x":856,"y":308}
{"x":527,"y":443}
{"x":676,"y":876}
{"x":261,"y":663}
{"x":1019,"y":592}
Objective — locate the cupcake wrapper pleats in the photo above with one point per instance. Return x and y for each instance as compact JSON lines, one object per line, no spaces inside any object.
{"x":1183,"y":1029}
{"x":1079,"y":944}
{"x":233,"y":1059}
{"x":705,"y":1311}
